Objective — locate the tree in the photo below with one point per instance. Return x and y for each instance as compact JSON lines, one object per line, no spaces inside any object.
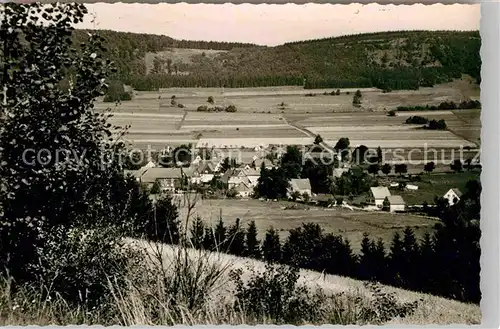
{"x":156,"y":188}
{"x":359,"y":154}
{"x":342,"y":147}
{"x":116,"y":92}
{"x":401,"y":168}
{"x":64,"y":192}
{"x":380,"y":155}
{"x":318,"y":140}
{"x":210,"y":99}
{"x":236,"y":239}
{"x":367,"y":261}
{"x":386,"y":169}
{"x":456,"y":165}
{"x":197,"y":232}
{"x":306,"y":197}
{"x":386,"y":204}
{"x":396,"y":260}
{"x":295,"y":195}
{"x":271,"y":247}
{"x":429,"y":167}
{"x":220,"y":236}
{"x":163,"y":225}
{"x":291,"y":162}
{"x":252,"y":243}
{"x":373,"y":169}
{"x":337,"y":92}
{"x":356,"y":100}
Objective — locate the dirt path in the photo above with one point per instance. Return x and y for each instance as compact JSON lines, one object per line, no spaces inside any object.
{"x":179,"y":124}
{"x":308,"y":133}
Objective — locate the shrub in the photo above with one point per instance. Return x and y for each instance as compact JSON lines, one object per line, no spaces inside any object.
{"x":76,"y":265}
{"x":416,"y":120}
{"x":274,"y":294}
{"x":391,"y":113}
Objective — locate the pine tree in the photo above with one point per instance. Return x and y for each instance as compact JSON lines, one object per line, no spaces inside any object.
{"x":271,"y":247}
{"x":236,"y":239}
{"x":396,"y":260}
{"x":220,"y":236}
{"x":197,"y":233}
{"x":209,"y":239}
{"x":252,"y":244}
{"x":411,"y":251}
{"x":366,"y":262}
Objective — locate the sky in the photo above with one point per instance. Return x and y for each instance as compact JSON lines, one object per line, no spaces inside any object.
{"x":267,"y":24}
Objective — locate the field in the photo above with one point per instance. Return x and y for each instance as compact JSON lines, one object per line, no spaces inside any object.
{"x":350,"y":224}
{"x":437,"y":185}
{"x":285,"y":115}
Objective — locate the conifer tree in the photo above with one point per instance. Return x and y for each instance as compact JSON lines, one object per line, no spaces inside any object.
{"x":252,"y":244}
{"x":271,"y":247}
{"x":197,"y":233}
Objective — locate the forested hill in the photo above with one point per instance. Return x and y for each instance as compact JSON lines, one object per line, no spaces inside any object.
{"x":387,"y":60}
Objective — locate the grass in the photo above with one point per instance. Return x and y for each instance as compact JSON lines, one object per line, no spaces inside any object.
{"x":350,"y":224}
{"x":437,"y":185}
{"x":176,"y":285}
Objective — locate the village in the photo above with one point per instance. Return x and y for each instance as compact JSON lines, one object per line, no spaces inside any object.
{"x":224,"y":177}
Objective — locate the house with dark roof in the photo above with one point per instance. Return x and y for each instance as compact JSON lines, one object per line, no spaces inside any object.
{"x":170,"y":179}
{"x":453,"y":196}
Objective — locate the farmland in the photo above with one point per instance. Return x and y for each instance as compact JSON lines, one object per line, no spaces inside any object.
{"x":292,"y":115}
{"x":350,"y":224}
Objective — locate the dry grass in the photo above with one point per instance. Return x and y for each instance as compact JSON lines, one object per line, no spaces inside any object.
{"x":433,"y":310}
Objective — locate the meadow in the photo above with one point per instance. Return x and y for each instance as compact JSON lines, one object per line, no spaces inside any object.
{"x":350,"y":224}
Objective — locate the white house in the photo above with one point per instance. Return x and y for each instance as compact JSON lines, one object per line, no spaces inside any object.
{"x":301,"y":185}
{"x":453,"y":195}
{"x":379,"y":194}
{"x":396,"y":203}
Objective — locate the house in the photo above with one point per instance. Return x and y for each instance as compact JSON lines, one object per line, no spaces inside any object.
{"x":323,"y":199}
{"x":395,"y":203}
{"x":233,"y":177}
{"x":192,"y":174}
{"x":268,"y":164}
{"x":301,"y":185}
{"x":206,"y":169}
{"x":169,"y":179}
{"x":244,"y":190}
{"x":378,"y":195}
{"x":453,"y":195}
{"x":252,"y":175}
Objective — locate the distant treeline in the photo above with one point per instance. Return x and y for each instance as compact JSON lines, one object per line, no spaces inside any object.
{"x":390,"y":61}
{"x":472,"y":104}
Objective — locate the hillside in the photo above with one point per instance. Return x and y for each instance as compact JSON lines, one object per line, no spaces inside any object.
{"x":387,"y":60}
{"x":431,"y":310}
